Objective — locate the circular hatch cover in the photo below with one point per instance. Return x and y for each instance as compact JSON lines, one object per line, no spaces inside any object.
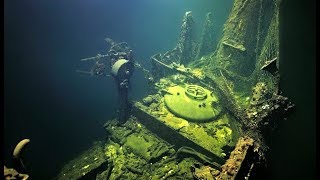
{"x":192,"y":102}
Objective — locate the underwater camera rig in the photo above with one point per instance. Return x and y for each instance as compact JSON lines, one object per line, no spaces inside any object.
{"x":122,"y":67}
{"x":120,"y":60}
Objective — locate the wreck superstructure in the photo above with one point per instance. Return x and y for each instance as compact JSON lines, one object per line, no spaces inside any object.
{"x":209,"y":110}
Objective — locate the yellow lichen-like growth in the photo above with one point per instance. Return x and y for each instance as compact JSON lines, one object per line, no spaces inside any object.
{"x":111,"y":152}
{"x":198,"y":73}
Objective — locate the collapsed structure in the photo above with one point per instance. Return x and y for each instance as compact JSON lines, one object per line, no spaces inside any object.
{"x":210,"y":109}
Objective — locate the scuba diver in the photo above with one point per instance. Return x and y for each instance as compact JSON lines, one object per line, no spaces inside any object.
{"x":119,"y":64}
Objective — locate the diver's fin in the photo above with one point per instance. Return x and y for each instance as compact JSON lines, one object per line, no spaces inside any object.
{"x":18,"y":151}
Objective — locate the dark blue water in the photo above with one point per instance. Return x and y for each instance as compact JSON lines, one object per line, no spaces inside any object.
{"x":63,"y":112}
{"x":293,"y":149}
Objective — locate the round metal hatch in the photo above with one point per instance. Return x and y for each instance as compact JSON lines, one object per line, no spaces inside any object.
{"x":192,"y":102}
{"x":196,"y":92}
